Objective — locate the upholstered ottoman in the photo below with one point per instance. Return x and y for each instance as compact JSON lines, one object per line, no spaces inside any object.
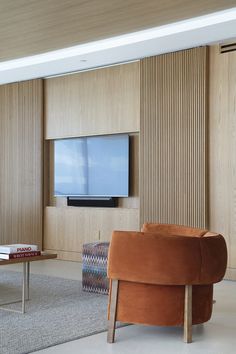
{"x":94,"y":269}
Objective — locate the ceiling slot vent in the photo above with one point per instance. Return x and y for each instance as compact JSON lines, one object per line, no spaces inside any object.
{"x":227,"y":47}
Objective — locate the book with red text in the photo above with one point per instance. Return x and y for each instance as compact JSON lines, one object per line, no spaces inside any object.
{"x":16,"y":248}
{"x":19,"y":255}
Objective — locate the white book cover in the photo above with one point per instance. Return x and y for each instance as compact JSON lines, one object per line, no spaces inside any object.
{"x":17,"y":248}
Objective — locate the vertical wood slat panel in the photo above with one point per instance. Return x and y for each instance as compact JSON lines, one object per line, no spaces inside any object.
{"x":21,"y":128}
{"x":173,"y":185}
{"x":222,"y":147}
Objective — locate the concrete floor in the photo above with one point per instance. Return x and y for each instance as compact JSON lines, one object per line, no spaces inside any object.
{"x":218,"y":336}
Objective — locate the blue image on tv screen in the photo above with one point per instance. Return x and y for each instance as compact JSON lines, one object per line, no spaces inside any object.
{"x":92,"y":166}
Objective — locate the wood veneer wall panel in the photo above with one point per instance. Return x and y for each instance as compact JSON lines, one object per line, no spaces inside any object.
{"x":222,"y":137}
{"x":67,"y":228}
{"x":21,"y":120}
{"x":173,"y":185}
{"x":64,"y":255}
{"x":103,"y":101}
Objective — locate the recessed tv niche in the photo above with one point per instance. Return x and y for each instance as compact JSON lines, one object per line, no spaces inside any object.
{"x":89,"y":167}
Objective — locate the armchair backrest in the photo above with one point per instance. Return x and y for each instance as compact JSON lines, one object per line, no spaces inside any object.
{"x":173,"y":229}
{"x":155,"y":258}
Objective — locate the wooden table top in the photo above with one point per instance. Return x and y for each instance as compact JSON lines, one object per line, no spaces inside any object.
{"x":42,"y":257}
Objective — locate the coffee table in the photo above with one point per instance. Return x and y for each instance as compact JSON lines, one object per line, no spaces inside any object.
{"x":26,"y":277}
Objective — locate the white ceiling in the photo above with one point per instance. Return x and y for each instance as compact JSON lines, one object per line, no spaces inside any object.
{"x":194,"y":32}
{"x":36,"y":27}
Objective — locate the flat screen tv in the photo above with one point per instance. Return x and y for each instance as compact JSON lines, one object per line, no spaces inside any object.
{"x":95,"y":166}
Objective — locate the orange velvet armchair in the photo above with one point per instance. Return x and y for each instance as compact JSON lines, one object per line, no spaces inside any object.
{"x":164,"y":276}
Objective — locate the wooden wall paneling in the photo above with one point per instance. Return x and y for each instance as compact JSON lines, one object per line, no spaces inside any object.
{"x":116,"y":219}
{"x":8,"y":107}
{"x":222,"y":138}
{"x":231,"y":156}
{"x":96,"y":102}
{"x":21,"y":120}
{"x":67,"y":228}
{"x":105,"y":101}
{"x":65,"y":255}
{"x":173,"y":184}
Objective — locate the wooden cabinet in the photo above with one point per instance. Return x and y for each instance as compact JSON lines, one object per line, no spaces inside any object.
{"x":67,"y":228}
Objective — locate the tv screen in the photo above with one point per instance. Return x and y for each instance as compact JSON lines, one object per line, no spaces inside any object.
{"x":92,"y":166}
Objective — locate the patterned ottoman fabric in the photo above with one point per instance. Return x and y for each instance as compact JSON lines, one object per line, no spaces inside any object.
{"x":94,"y":270}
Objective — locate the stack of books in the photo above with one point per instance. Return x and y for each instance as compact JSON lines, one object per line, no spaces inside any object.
{"x":16,"y":251}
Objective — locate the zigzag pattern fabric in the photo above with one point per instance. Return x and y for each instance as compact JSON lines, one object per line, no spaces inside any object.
{"x":94,"y":269}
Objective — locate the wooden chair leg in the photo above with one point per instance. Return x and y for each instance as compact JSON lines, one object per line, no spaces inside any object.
{"x":112,"y":315}
{"x":188,"y":314}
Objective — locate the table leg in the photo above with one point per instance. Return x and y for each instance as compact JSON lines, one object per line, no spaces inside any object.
{"x":27,"y":279}
{"x":23,"y":288}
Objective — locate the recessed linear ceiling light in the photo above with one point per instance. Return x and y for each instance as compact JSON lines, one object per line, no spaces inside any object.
{"x":126,"y":39}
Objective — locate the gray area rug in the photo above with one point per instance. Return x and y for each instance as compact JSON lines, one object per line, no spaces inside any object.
{"x":58,"y":311}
